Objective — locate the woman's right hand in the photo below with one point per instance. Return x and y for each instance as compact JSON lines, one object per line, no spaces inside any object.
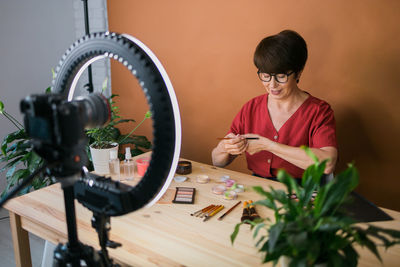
{"x":236,"y":145}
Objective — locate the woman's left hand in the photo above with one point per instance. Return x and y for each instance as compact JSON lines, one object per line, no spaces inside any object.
{"x":257,"y":145}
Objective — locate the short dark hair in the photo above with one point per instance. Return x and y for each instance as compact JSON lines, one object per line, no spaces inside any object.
{"x":280,"y":53}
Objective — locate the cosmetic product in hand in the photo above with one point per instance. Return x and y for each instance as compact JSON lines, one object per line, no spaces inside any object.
{"x":114,"y":165}
{"x":129,"y":165}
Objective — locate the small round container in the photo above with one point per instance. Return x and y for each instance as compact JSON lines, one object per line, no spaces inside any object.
{"x":180,"y":179}
{"x":229,"y":183}
{"x":224,"y":178}
{"x":230,"y":195}
{"x":202,"y":179}
{"x":218,"y":189}
{"x":142,"y":164}
{"x":184,"y":167}
{"x":239,"y":188}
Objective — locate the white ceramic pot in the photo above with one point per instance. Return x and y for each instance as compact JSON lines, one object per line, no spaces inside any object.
{"x":284,"y":261}
{"x":101,"y":158}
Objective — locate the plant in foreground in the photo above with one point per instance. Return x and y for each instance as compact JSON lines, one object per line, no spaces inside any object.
{"x":311,"y":232}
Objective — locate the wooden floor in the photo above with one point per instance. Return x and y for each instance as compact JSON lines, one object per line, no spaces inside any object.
{"x":6,"y":246}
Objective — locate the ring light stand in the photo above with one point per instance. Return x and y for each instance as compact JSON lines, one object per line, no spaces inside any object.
{"x":153,"y":79}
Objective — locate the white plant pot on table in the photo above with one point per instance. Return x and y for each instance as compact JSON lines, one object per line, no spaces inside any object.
{"x":101,"y":158}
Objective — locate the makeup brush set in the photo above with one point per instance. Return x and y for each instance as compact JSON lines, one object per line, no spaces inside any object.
{"x":249,"y":212}
{"x":211,"y":210}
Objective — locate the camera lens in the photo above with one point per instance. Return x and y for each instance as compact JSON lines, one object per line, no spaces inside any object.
{"x":95,"y":110}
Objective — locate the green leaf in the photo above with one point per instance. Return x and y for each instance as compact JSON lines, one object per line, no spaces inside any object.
{"x":13,"y":163}
{"x":274,"y":234}
{"x":20,"y":134}
{"x":289,"y":181}
{"x":260,"y":240}
{"x":1,"y":107}
{"x":11,"y":181}
{"x":235,"y":232}
{"x":351,"y":256}
{"x":339,"y":189}
{"x":310,"y":153}
{"x":123,"y":121}
{"x":10,"y":172}
{"x":148,"y":114}
{"x":297,"y":239}
{"x":257,"y":229}
{"x":267,"y":203}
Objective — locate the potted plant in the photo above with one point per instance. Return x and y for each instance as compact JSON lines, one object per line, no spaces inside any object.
{"x":308,"y":233}
{"x":104,"y":139}
{"x":21,"y":161}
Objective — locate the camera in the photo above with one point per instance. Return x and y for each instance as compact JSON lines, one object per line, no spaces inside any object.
{"x":57,"y":127}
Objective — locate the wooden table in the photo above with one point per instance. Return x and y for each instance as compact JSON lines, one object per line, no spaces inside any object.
{"x":164,"y":234}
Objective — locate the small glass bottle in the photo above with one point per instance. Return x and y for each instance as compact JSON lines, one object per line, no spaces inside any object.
{"x":129,"y":165}
{"x":114,"y":165}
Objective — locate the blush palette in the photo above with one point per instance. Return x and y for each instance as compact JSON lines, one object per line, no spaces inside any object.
{"x":184,"y":195}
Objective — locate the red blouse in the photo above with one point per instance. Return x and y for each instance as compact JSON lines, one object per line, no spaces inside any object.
{"x":312,"y":125}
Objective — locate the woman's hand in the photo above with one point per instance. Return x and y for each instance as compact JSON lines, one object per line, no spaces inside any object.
{"x":236,"y":145}
{"x":227,"y":150}
{"x":257,"y":145}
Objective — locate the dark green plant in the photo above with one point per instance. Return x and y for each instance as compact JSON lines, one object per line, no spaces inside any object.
{"x":311,"y":232}
{"x":21,"y":160}
{"x":106,"y":136}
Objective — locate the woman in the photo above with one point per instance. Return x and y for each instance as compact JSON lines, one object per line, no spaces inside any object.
{"x":283,"y":119}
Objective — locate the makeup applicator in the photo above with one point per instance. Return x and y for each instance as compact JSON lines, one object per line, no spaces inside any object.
{"x":246,"y":212}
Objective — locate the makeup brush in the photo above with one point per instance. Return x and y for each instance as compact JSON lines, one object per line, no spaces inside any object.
{"x":252,"y":210}
{"x":199,"y":211}
{"x":213,"y":213}
{"x":246,"y":212}
{"x":206,"y":210}
{"x":247,"y":138}
{"x":226,"y":213}
{"x":209,"y":211}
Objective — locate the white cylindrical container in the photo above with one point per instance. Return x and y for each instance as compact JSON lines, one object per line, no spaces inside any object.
{"x":101,"y":158}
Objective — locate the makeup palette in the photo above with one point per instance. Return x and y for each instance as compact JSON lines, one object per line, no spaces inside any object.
{"x":184,"y":195}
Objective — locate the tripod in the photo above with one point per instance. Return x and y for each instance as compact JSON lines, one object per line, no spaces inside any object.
{"x":75,"y":253}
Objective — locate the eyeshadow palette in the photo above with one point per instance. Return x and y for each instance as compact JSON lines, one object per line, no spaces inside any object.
{"x":184,"y":195}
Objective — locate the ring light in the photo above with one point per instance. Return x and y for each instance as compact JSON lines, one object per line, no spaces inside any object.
{"x":157,"y":87}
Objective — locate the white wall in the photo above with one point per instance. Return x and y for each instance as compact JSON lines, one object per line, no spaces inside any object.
{"x":33,"y":37}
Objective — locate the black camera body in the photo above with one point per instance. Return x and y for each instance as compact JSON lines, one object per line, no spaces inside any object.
{"x":57,"y":128}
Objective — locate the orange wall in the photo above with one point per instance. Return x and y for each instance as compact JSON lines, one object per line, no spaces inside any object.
{"x":207,"y":47}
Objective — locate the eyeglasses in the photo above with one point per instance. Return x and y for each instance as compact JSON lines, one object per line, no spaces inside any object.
{"x":280,"y":77}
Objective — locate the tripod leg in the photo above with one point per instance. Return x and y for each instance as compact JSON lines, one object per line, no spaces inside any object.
{"x":101,"y":223}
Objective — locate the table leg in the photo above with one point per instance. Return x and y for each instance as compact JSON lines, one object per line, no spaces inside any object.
{"x":22,"y":251}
